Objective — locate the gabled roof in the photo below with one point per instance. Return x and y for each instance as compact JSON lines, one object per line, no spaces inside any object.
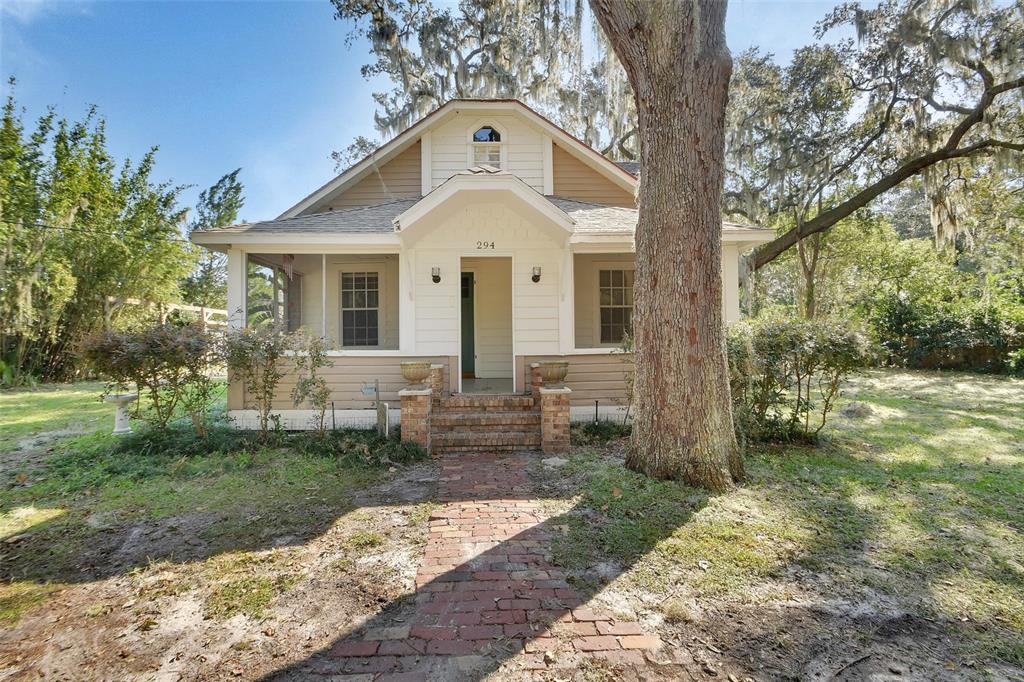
{"x":410,"y":135}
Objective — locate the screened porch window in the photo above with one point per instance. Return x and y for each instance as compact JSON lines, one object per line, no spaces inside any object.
{"x":360,"y":309}
{"x":616,"y":304}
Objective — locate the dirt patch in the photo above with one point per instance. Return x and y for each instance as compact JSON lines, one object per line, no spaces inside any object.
{"x":141,"y":605}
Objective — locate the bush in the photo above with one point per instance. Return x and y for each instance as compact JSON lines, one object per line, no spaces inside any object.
{"x":598,"y":433}
{"x":785,"y":375}
{"x":311,"y":356}
{"x":168,"y":365}
{"x":254,"y":354}
{"x":961,"y":335}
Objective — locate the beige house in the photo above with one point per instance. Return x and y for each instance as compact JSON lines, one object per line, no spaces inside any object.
{"x":484,"y":238}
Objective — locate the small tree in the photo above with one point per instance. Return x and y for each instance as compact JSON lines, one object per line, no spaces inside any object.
{"x":311,"y":356}
{"x":255,"y":354}
{"x":168,"y":365}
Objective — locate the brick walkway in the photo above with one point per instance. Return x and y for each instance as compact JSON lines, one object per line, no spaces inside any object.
{"x":487,"y":594}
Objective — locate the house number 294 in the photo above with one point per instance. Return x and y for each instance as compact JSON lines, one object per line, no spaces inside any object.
{"x":485,"y":245}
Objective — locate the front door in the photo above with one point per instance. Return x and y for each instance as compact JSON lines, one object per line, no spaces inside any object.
{"x":468,"y":342}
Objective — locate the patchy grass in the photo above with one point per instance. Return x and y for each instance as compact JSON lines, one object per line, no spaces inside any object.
{"x":920,"y":501}
{"x":92,"y":505}
{"x":50,"y":408}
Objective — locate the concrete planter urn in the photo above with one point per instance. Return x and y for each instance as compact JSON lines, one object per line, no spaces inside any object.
{"x":552,"y":372}
{"x":121,"y":402}
{"x":416,"y":373}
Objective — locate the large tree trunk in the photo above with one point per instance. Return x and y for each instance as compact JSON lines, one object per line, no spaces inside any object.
{"x":675,"y":54}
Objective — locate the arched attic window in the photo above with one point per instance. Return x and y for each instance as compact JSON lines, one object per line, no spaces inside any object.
{"x":485,"y":146}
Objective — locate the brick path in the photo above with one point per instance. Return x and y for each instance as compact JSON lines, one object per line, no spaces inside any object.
{"x":487,"y":594}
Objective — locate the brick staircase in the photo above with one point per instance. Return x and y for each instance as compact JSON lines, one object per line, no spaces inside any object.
{"x":469,"y":423}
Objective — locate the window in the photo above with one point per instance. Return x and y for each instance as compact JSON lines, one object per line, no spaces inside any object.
{"x":486,"y":146}
{"x":360,"y":308}
{"x":616,"y":303}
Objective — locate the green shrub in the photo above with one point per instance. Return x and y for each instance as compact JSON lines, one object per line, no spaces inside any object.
{"x":980,"y":336}
{"x":598,"y":433}
{"x":254,"y":355}
{"x":169,"y":365}
{"x":311,"y":356}
{"x":785,"y":375}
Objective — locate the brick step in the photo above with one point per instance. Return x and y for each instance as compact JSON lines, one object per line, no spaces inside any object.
{"x":457,"y":441}
{"x":489,"y":403}
{"x":451,"y":421}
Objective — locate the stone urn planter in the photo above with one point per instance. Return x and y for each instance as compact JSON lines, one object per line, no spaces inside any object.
{"x":552,"y":372}
{"x":416,"y":373}
{"x":121,"y":402}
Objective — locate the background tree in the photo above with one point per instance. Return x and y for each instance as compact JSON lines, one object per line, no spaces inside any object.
{"x":218,"y":206}
{"x":678,"y":65}
{"x":532,"y":50}
{"x":76,"y":227}
{"x":928,"y":83}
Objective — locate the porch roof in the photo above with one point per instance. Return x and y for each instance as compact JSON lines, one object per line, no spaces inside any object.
{"x":379,"y":219}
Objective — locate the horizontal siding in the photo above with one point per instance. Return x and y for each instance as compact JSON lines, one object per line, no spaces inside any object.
{"x":591,"y":377}
{"x":399,"y":178}
{"x":524,"y":152}
{"x":346,"y":379}
{"x":574,"y":179}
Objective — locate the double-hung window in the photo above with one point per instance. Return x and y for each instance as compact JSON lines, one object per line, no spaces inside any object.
{"x":616,"y":304}
{"x":360,"y":309}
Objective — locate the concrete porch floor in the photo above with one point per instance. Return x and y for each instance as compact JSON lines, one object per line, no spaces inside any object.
{"x":487,"y":386}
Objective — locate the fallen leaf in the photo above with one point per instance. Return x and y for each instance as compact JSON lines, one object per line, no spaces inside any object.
{"x":616,"y":492}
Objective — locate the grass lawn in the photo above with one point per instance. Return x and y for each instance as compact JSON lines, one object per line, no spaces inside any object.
{"x":914,"y":511}
{"x":898,"y":542}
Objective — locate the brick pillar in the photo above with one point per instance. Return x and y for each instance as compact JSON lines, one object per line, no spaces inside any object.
{"x":436,"y":382}
{"x":416,"y":406}
{"x":554,"y":419}
{"x":535,"y":382}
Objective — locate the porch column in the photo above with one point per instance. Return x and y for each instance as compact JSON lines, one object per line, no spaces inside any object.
{"x":416,"y":407}
{"x":566,"y":304}
{"x":406,"y":302}
{"x":236,"y":288}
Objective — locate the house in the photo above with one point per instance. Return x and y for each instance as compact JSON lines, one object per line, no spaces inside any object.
{"x":483,"y":238}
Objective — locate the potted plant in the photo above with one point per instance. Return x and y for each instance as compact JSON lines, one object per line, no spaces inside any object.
{"x":552,"y":372}
{"x":416,"y":373}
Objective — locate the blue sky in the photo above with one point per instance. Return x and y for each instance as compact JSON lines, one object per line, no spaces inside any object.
{"x":271,"y":87}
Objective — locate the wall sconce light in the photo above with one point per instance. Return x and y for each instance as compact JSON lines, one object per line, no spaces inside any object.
{"x":536,"y":273}
{"x":435,"y":274}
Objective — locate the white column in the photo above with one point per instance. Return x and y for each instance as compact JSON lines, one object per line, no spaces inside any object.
{"x":566,"y":303}
{"x":236,"y":288}
{"x":407,"y":302}
{"x":323,"y":296}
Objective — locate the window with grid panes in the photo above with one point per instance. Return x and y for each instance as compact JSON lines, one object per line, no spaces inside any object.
{"x":360,"y":308}
{"x":616,"y":303}
{"x":487,"y":147}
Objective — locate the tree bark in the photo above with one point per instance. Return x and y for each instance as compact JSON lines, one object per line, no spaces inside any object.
{"x":675,"y":55}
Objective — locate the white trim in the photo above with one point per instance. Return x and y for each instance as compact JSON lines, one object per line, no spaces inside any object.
{"x":236,"y":288}
{"x":471,"y":143}
{"x":407,"y":300}
{"x":395,"y":146}
{"x":599,"y":350}
{"x":607,"y":265}
{"x":567,"y":302}
{"x":379,"y":269}
{"x":549,"y":166}
{"x":323,"y":298}
{"x":301,"y":242}
{"x":303,"y":420}
{"x":426,"y":164}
